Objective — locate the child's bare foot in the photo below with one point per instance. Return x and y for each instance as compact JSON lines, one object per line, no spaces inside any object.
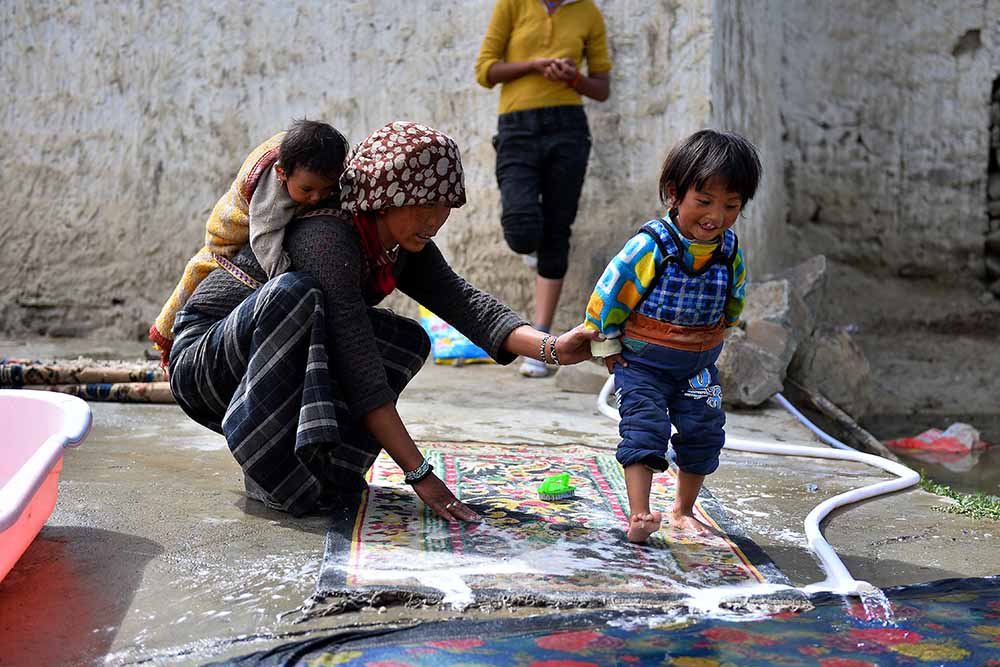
{"x":688,"y":523}
{"x":641,"y":526}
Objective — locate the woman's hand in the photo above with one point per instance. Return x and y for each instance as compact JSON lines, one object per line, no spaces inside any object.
{"x":542,"y":65}
{"x":573,"y":346}
{"x":442,"y":501}
{"x":561,"y":69}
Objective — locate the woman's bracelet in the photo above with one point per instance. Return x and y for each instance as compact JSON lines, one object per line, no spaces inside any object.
{"x":414,"y":476}
{"x":555,"y":357}
{"x":575,"y":81}
{"x":541,"y":348}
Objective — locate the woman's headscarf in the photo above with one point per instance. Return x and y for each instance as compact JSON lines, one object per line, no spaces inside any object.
{"x":402,"y":164}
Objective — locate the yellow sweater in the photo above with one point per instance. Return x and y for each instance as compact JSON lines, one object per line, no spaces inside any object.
{"x":521,"y":30}
{"x":227,"y":230}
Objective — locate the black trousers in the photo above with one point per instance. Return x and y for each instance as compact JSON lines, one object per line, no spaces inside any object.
{"x":541,"y":162}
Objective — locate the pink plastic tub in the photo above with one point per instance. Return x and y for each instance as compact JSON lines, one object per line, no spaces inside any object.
{"x":35,"y":427}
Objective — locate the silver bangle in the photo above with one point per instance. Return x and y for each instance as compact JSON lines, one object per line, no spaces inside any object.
{"x":414,"y":476}
{"x":541,"y":348}
{"x":555,"y":357}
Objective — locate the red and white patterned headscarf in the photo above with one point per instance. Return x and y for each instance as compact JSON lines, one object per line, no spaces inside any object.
{"x":403,"y":164}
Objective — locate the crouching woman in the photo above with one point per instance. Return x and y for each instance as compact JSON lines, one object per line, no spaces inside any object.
{"x":301,"y":373}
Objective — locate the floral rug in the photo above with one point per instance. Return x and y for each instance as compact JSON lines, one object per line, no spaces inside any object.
{"x":952,"y":622}
{"x":526,"y":551}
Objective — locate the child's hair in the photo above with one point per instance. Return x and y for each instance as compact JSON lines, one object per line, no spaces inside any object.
{"x":708,"y":154}
{"x":315,"y":146}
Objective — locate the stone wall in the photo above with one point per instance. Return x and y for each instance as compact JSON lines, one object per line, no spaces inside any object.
{"x":124,"y":122}
{"x":993,"y":191}
{"x":746,"y":63}
{"x":886,"y":113}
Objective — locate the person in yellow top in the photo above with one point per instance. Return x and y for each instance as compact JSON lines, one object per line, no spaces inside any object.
{"x":536,"y":49}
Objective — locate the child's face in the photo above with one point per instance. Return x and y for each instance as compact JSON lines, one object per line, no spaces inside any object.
{"x":703,"y":215}
{"x":307,"y":187}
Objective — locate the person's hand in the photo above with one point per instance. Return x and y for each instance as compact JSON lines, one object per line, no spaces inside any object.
{"x":573,"y":346}
{"x":561,"y":69}
{"x":442,"y":501}
{"x":613,"y":359}
{"x":542,"y":65}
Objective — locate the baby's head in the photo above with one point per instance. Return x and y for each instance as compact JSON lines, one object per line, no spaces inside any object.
{"x":706,"y":181}
{"x":310,"y":161}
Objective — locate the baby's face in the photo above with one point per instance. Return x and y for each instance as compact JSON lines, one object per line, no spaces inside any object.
{"x":308,"y":188}
{"x":703,"y":215}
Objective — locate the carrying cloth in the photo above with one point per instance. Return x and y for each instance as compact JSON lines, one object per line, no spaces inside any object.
{"x":227,"y":230}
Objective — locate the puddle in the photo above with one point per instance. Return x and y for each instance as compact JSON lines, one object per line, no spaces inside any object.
{"x":980,"y":472}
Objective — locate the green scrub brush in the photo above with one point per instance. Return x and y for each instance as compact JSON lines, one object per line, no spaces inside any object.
{"x":556,"y":487}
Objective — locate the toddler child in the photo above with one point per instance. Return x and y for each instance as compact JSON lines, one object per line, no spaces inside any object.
{"x":663,"y":304}
{"x":286,"y":175}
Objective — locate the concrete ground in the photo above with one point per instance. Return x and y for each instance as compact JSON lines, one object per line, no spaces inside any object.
{"x":153,"y":554}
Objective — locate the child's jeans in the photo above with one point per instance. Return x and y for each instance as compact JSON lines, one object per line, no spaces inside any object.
{"x":660,"y":386}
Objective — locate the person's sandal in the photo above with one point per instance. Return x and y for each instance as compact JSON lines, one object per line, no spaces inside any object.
{"x":532,"y":368}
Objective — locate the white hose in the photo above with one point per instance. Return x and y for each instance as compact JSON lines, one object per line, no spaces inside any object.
{"x":838,"y":578}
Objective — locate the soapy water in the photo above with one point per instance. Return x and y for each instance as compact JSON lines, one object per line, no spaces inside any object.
{"x":448,"y":572}
{"x":454,"y":575}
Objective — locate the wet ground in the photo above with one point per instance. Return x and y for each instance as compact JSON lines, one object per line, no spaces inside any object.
{"x":975,"y":472}
{"x":154,"y":556}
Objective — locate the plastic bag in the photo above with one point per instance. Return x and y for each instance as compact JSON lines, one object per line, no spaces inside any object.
{"x":448,"y":346}
{"x":958,"y":438}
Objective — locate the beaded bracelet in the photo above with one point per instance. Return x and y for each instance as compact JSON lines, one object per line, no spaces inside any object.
{"x":414,"y":476}
{"x":555,"y":357}
{"x":541,"y":348}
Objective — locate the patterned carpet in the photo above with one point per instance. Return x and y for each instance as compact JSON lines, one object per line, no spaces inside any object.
{"x":952,"y":622}
{"x":571,"y":551}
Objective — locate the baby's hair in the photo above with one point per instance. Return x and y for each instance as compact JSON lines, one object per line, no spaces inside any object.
{"x":709,"y":154}
{"x":315,"y":146}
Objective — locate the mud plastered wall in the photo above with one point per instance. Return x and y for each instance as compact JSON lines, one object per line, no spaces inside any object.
{"x":746,"y":85}
{"x":124,"y":123}
{"x":886,"y":111}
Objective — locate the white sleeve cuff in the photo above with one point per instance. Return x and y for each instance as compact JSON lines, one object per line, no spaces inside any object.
{"x":605,"y":348}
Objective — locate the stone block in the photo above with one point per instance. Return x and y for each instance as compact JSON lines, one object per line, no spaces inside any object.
{"x":994,"y":208}
{"x":809,"y":279}
{"x":749,"y":373}
{"x":772,"y":337}
{"x":832,"y":363}
{"x":584,"y":378}
{"x":777,"y":301}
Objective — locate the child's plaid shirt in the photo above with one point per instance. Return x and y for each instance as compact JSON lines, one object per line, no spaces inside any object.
{"x":690,"y":290}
